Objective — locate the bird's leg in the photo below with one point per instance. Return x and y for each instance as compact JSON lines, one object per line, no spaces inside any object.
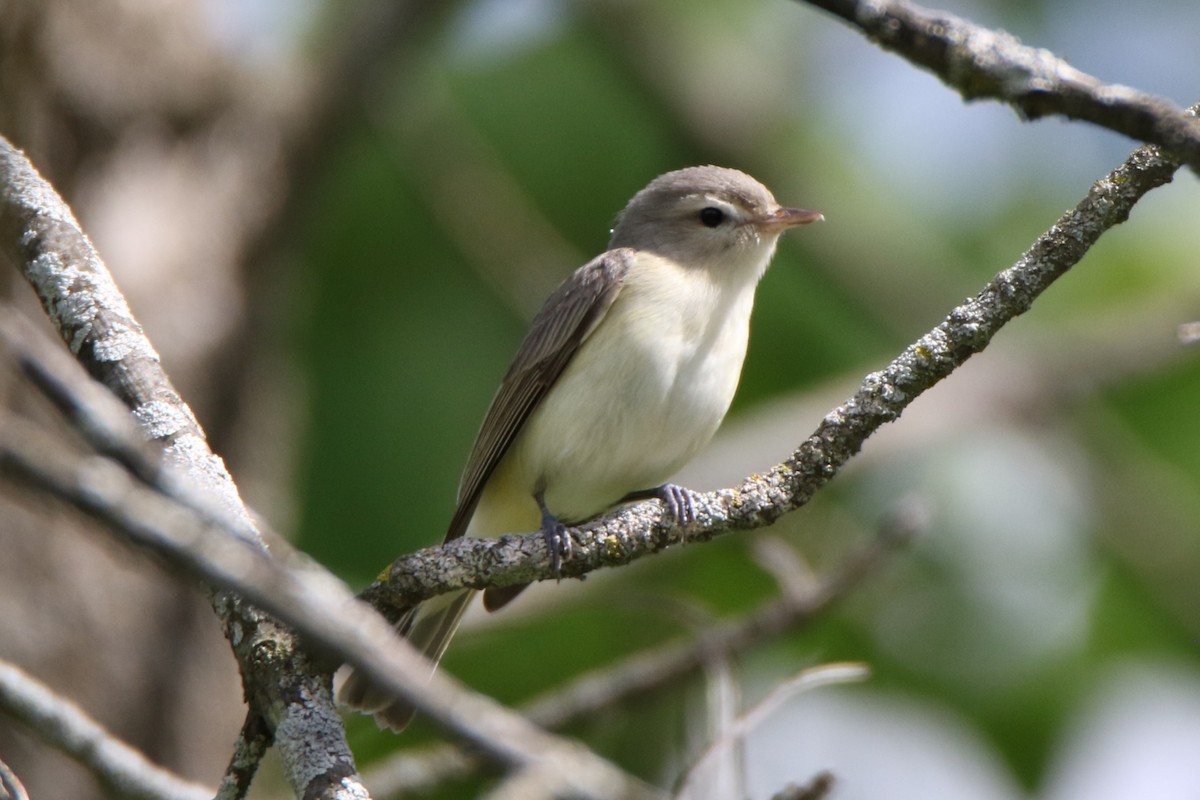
{"x":555,"y":532}
{"x":680,"y":501}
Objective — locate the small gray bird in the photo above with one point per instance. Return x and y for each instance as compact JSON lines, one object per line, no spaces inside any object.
{"x":627,"y":371}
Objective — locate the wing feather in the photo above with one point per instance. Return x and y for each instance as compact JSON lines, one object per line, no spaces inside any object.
{"x":563,"y":324}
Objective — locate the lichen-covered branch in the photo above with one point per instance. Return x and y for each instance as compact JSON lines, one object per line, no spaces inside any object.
{"x":591,"y":693}
{"x":65,"y":726}
{"x":39,"y":233}
{"x":981,"y":63}
{"x":640,"y":530}
{"x":252,"y":744}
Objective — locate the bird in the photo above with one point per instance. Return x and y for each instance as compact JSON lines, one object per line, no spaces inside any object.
{"x":625,"y":374}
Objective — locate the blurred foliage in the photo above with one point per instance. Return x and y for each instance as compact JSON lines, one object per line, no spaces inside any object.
{"x":494,"y":164}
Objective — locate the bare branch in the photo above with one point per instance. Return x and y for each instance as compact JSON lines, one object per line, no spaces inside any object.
{"x":316,"y":605}
{"x":39,"y":233}
{"x":709,"y":764}
{"x":819,"y":787}
{"x":252,"y":744}
{"x":63,"y":725}
{"x":981,"y":63}
{"x":42,"y":237}
{"x":648,"y":670}
{"x":11,"y":785}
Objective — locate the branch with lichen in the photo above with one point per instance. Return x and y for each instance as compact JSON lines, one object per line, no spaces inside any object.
{"x":979,"y":63}
{"x":41,"y":236}
{"x":800,"y":602}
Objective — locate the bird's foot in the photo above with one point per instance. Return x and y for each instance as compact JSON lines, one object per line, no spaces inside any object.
{"x":679,"y":500}
{"x":555,"y":533}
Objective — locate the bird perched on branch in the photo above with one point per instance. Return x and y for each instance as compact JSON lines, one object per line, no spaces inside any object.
{"x":625,"y":374}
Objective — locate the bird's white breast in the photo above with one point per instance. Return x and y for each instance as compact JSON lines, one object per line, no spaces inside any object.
{"x":644,"y":393}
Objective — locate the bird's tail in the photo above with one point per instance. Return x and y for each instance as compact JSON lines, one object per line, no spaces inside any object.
{"x":428,"y":628}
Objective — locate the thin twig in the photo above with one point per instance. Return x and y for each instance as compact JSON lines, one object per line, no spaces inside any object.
{"x":254,"y":739}
{"x":642,"y":672}
{"x":66,"y":727}
{"x":707,"y":766}
{"x":981,"y":63}
{"x":11,"y":785}
{"x":598,"y":690}
{"x":818,"y":788}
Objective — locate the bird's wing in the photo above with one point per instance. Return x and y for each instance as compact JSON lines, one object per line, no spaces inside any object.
{"x":564,"y":323}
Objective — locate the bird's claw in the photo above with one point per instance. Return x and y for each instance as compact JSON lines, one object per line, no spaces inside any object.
{"x":680,"y":501}
{"x":557,"y":541}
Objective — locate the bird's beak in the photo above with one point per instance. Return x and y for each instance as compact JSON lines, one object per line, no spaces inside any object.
{"x":783,"y":218}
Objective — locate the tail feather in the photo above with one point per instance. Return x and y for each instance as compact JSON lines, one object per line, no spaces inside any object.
{"x":429,"y":628}
{"x":497,"y":597}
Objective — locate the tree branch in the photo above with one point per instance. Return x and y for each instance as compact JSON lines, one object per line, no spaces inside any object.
{"x":64,"y":726}
{"x":821,"y":786}
{"x":314,"y":603}
{"x":39,"y":233}
{"x":592,"y":692}
{"x":981,"y":63}
{"x":11,"y":787}
{"x":639,"y":530}
{"x":254,"y":739}
{"x":720,"y":756}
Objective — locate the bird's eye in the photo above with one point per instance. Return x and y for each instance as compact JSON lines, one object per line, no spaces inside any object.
{"x":711,"y":217}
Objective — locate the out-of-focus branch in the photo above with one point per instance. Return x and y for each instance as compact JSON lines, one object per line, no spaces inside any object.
{"x":41,"y":236}
{"x":39,"y":233}
{"x":642,"y":529}
{"x":314,"y":603}
{"x":63,"y":725}
{"x":11,"y":785}
{"x":981,"y":63}
{"x":646,"y":671}
{"x":600,"y":689}
{"x":821,"y":786}
{"x":717,"y":758}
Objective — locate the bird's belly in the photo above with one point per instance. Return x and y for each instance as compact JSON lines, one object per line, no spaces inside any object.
{"x":634,"y":406}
